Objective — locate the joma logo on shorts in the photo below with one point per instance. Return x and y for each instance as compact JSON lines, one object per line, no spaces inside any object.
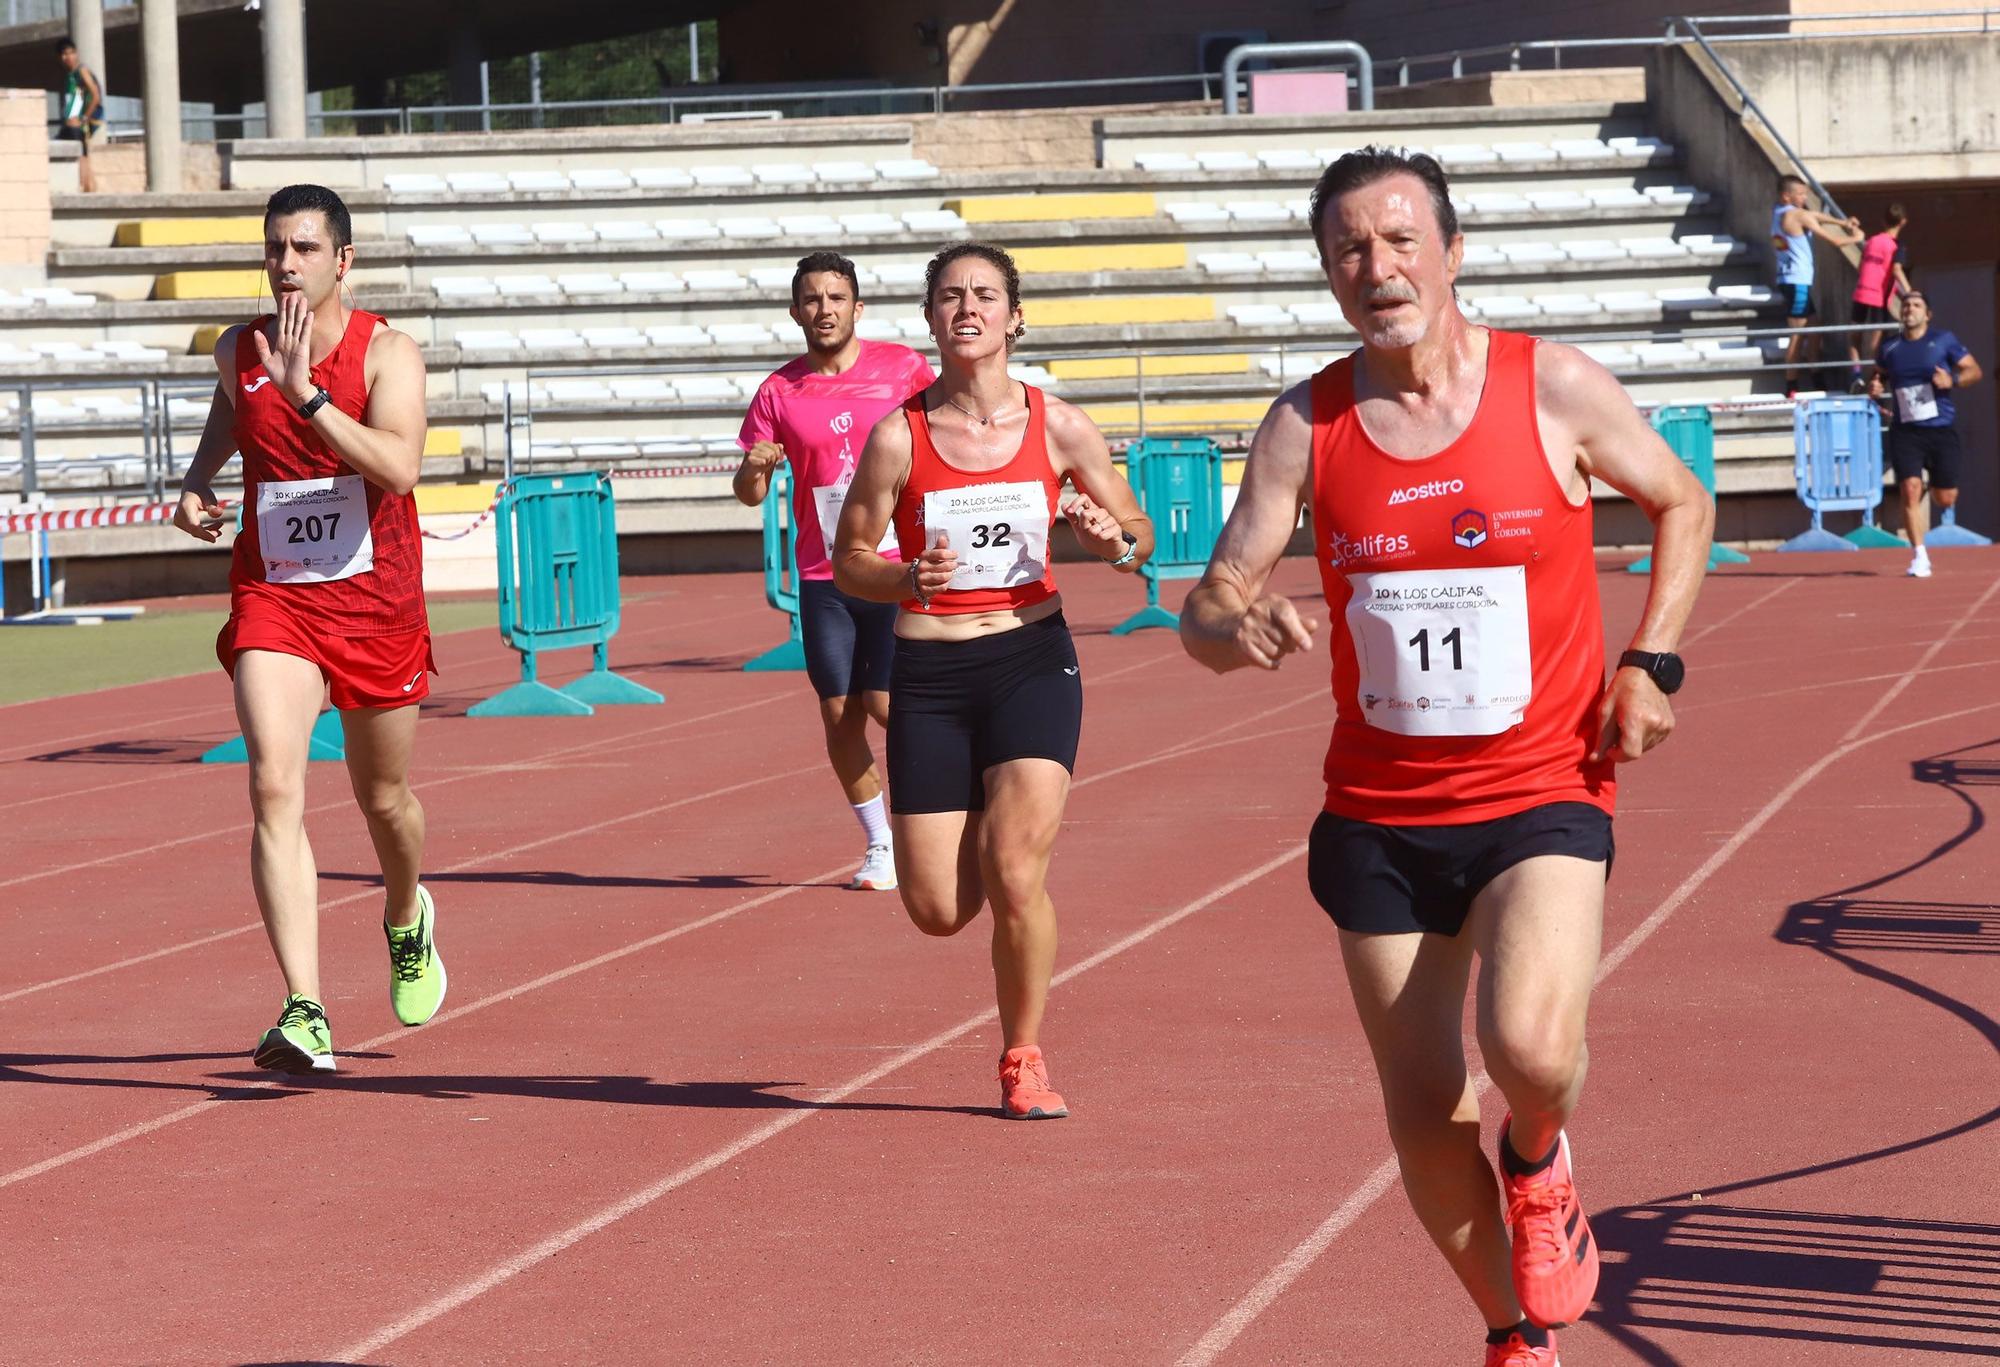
{"x":1437,"y":488}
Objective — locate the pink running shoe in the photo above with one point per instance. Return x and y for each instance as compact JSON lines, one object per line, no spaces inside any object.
{"x":1555,"y":1259}
{"x":1025,"y":1093}
{"x":1518,"y":1352}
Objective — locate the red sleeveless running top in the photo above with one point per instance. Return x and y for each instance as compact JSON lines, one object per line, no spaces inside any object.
{"x":996,"y":520}
{"x":278,"y":444}
{"x":1468,"y":645}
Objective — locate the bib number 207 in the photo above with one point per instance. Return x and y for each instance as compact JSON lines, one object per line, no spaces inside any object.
{"x":311,"y":528}
{"x":1422,"y":643}
{"x":994,"y":535}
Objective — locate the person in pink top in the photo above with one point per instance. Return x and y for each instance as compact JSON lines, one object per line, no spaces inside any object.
{"x":1882,"y":276}
{"x":816,"y":412}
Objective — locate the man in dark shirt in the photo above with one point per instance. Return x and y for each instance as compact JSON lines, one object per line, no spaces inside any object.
{"x":1916,"y":375}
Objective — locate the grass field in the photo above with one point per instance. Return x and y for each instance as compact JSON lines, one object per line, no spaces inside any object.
{"x":47,"y":662}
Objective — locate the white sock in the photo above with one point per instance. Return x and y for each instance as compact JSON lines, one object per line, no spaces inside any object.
{"x":874,"y":819}
{"x":1921,"y":553}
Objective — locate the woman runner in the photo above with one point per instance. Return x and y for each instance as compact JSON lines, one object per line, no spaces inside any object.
{"x":986,"y":697}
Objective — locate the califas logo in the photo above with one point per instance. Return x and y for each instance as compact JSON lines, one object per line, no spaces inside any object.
{"x":1437,"y":488}
{"x":1343,"y":549}
{"x":1468,"y":529}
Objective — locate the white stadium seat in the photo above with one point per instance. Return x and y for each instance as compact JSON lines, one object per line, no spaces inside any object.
{"x":1686,"y":296}
{"x":684,"y":229}
{"x":651,"y":387}
{"x":1165,"y":161}
{"x":597,"y":179}
{"x":516,"y":286}
{"x":706,"y":388}
{"x":1674,"y":196}
{"x":1506,"y":306}
{"x":677,"y":334}
{"x":1259,"y":315}
{"x":438,"y":235}
{"x":1524,"y":151}
{"x":1620,"y":197}
{"x":782,"y":173}
{"x":842,"y":172}
{"x":551,"y":339}
{"x":900,"y":272}
{"x":564,"y":234}
{"x":1227,"y":160}
{"x":613,"y":337}
{"x":749,"y":227}
{"x":651,"y":282}
{"x":1480,"y":254}
{"x":1196,"y":212}
{"x":915,"y":327}
{"x":464,"y":287}
{"x":810,"y":225}
{"x":1640,"y":147}
{"x":538,"y":182}
{"x":906,"y":168}
{"x":1581,"y":149}
{"x":714,"y":280}
{"x":415,"y":183}
{"x":661,"y":178}
{"x":1567,"y":305}
{"x":1289,"y":159}
{"x":870,"y":224}
{"x":1290,"y":259}
{"x":1627,"y":301}
{"x":477,"y":339}
{"x":933,"y":220}
{"x":589,"y":283}
{"x":477,"y":183}
{"x":874,"y":329}
{"x":722,"y":177}
{"x":502,"y":234}
{"x":1498,"y":202}
{"x":627,"y":230}
{"x":740,"y":334}
{"x":1653,"y":248}
{"x":772,"y":277}
{"x":1710,"y":246}
{"x":1747,"y":294}
{"x":1257,"y":211}
{"x":1315,"y":313}
{"x":1661,"y":355}
{"x":1548,"y":200}
{"x":1229,"y":263}
{"x":1611,"y":357}
{"x":1532,"y":253}
{"x":1454,"y":154}
{"x":1591,"y":249}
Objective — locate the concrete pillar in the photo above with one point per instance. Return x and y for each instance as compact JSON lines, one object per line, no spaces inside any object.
{"x":86,"y":28}
{"x":465,"y":56}
{"x":160,"y":56}
{"x":284,"y":25}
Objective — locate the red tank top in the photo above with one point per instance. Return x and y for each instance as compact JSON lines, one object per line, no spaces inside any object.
{"x":1468,"y":646}
{"x":997,"y":520}
{"x":278,"y":444}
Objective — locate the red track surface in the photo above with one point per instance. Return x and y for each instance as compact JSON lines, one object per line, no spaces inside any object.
{"x":689,"y":1102}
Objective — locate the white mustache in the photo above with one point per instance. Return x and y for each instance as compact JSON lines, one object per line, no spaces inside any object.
{"x":1392,"y":294}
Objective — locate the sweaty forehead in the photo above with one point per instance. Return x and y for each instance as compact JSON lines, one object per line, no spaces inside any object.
{"x":308,"y":226}
{"x":1394,"y":201}
{"x":971,"y":273}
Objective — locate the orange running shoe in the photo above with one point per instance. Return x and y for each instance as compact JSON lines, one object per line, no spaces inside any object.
{"x":1555,"y":1259}
{"x":1024,"y":1086}
{"x":1518,"y":1352}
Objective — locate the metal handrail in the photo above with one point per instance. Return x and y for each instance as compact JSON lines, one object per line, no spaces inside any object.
{"x":1750,"y":106}
{"x":1364,"y":65}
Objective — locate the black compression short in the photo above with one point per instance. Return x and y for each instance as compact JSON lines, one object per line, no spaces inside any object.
{"x":850,"y":642}
{"x":957,"y":708}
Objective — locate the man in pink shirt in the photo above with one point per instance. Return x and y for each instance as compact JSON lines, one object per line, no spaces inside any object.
{"x":816,"y":412}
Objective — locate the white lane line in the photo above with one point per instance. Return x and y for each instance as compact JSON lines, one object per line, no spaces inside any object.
{"x":148,"y":1127}
{"x":1719,"y":623}
{"x":1261,"y":1297}
{"x":369,"y":892}
{"x":527,"y":1258}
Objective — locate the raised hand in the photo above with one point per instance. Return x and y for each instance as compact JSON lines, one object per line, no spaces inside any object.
{"x":1942,"y":378}
{"x":288,"y":358}
{"x":1271,"y":629}
{"x":198,"y":514}
{"x":931,"y":572}
{"x":764,"y":456}
{"x":1096,"y":529}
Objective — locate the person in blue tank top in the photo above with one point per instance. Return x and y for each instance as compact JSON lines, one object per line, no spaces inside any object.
{"x":1915,"y":376}
{"x":1793,"y":227}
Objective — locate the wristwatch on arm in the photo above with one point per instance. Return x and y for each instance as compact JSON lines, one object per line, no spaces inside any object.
{"x":1663,"y":667}
{"x":319,"y":400}
{"x":1131,"y":550}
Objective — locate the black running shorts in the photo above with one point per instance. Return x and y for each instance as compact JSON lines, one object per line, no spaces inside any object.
{"x":1391,"y":880}
{"x":1917,"y":451}
{"x":850,"y":642}
{"x":957,"y":708}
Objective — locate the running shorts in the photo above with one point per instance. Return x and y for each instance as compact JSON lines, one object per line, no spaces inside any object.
{"x":957,"y":708}
{"x":1872,"y":315}
{"x":850,"y":642}
{"x":1798,"y":300}
{"x":360,"y":671}
{"x":1393,"y":880}
{"x":1918,"y":451}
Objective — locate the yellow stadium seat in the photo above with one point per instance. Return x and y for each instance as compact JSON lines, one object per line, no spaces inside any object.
{"x":455,"y":498}
{"x":212,"y":285}
{"x":189,"y":232}
{"x":445,"y":441}
{"x":205,"y":338}
{"x":1112,"y":310}
{"x":1224,"y":415}
{"x":1054,"y":208}
{"x":1126,"y":368}
{"x":1110,"y":256}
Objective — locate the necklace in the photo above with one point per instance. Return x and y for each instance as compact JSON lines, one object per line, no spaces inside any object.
{"x":983,"y":422}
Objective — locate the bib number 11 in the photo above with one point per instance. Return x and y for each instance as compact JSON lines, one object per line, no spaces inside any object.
{"x":1422,"y":643}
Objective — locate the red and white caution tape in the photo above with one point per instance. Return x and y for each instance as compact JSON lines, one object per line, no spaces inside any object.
{"x":79,"y":519}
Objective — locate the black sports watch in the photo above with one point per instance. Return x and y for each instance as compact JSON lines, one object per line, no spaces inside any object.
{"x":1663,"y":667}
{"x":319,"y":400}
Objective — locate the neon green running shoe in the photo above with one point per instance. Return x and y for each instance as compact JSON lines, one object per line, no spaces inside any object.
{"x":416,"y":973}
{"x":301,"y":1041}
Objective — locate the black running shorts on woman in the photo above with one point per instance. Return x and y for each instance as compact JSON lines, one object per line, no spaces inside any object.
{"x":957,"y":708}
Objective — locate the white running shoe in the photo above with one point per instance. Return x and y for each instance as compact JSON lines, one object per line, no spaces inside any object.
{"x":1920,"y":567}
{"x":877,"y":872}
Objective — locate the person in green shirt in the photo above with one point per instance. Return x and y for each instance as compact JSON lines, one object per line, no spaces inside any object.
{"x":81,"y":101}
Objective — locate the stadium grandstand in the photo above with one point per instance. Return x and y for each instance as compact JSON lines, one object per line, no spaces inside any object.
{"x":590,"y":223}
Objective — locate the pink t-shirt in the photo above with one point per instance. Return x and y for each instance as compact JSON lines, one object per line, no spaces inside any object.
{"x":823,"y":421}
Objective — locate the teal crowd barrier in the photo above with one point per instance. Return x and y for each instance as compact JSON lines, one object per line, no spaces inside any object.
{"x":1949,"y":533}
{"x":781,"y":574}
{"x":1837,"y":466}
{"x":1179,"y":484}
{"x":1690,"y":430}
{"x":557,"y":540}
{"x":328,"y":741}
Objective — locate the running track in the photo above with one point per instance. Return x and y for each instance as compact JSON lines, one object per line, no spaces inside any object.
{"x":691,"y":1103}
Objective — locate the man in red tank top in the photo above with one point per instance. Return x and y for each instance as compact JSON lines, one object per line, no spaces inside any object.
{"x":1469,"y":779}
{"x":326,"y":404}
